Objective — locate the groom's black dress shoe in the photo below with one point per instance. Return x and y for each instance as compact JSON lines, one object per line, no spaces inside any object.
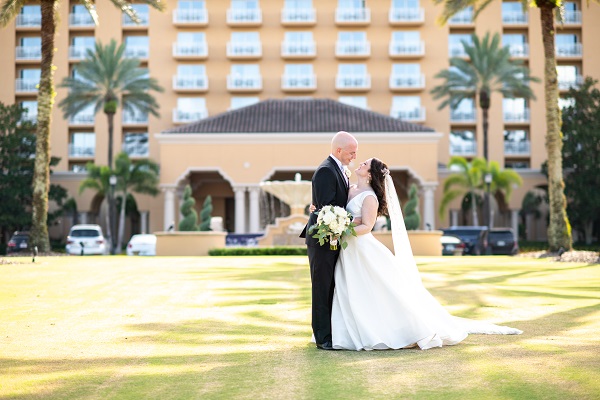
{"x":325,"y":346}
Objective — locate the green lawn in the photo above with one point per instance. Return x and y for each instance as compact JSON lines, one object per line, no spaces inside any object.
{"x":239,"y":327}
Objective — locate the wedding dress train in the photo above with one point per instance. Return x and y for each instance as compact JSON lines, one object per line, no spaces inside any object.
{"x":379,"y":300}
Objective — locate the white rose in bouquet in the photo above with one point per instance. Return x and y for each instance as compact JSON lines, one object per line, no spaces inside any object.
{"x":333,"y":223}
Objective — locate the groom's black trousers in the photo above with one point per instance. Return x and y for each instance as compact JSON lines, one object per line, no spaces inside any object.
{"x":322,"y":265}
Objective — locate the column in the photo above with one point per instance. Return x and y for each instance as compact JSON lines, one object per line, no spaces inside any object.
{"x":144,"y":221}
{"x":240,"y":209}
{"x":429,"y":205}
{"x":453,"y":217}
{"x":254,"y":225}
{"x":514,"y":222}
{"x":169,"y":211}
{"x":83,"y":217}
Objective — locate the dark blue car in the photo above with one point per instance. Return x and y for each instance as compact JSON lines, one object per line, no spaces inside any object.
{"x":474,"y":237}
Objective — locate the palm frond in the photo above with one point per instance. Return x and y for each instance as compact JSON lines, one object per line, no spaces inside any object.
{"x":449,"y":197}
{"x":91,"y":7}
{"x":9,"y":11}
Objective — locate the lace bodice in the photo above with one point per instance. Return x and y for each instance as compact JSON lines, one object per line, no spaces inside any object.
{"x":354,"y":206}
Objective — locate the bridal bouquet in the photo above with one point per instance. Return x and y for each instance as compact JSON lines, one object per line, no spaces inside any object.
{"x":333,"y":222}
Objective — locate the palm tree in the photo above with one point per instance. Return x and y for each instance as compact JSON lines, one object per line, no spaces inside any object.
{"x":98,"y":178}
{"x":106,"y":78}
{"x":141,"y":177}
{"x":41,"y":175}
{"x":559,"y":229}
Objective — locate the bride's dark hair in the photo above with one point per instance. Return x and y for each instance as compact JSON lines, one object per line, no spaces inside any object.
{"x":378,"y":172}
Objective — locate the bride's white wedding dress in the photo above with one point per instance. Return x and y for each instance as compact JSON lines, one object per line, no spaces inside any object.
{"x":380,"y":301}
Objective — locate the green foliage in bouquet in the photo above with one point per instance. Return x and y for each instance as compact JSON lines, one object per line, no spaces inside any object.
{"x":333,"y":223}
{"x":190,"y":216}
{"x":412,"y":219}
{"x":205,"y":214}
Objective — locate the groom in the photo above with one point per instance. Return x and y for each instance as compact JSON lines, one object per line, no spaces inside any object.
{"x":329,"y":187}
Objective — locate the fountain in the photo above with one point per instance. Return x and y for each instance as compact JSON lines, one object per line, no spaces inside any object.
{"x":297,"y":194}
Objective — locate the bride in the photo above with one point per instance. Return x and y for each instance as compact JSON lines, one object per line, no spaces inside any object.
{"x":379,"y":300}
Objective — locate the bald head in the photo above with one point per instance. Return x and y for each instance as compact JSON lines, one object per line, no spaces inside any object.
{"x":344,"y":147}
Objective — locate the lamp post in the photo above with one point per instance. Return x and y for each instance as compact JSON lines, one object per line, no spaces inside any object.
{"x":112,"y":220}
{"x":488,"y":205}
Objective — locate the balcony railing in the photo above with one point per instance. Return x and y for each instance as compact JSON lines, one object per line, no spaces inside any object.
{"x":29,"y":20}
{"x":81,"y":151}
{"x":26,"y":85}
{"x":464,"y":17}
{"x":353,"y":81}
{"x":403,"y":81}
{"x":463,"y":149}
{"x":462,"y":116}
{"x":298,"y":49}
{"x":299,"y":82}
{"x":243,"y":16}
{"x":190,"y":17}
{"x":519,"y":50}
{"x":143,"y":17}
{"x":517,"y":148}
{"x":457,"y":50}
{"x":564,"y":84}
{"x":136,"y":149}
{"x":569,"y":50}
{"x":352,"y":15}
{"x":353,"y":48}
{"x":246,"y":83}
{"x":298,"y":16}
{"x":137,"y":52}
{"x":407,"y":15}
{"x":78,"y":52}
{"x":407,"y":48}
{"x":515,"y":18}
{"x":415,"y":115}
{"x":82,"y":119}
{"x":244,"y":49}
{"x":183,"y":116}
{"x":572,"y":18}
{"x":516,"y":116}
{"x":134,"y":118}
{"x":190,"y":82}
{"x":29,"y":53}
{"x":190,"y":50}
{"x":81,"y":20}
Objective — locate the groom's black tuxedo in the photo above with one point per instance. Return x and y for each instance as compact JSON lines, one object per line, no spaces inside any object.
{"x":328,"y":188}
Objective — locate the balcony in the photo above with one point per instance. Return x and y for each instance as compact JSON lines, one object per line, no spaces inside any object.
{"x":78,"y":52}
{"x":407,"y":49}
{"x":134,"y":118}
{"x":190,"y":17}
{"x":353,"y":82}
{"x":352,"y":16}
{"x":572,"y":17}
{"x":190,"y":51}
{"x":128,"y":22}
{"x":190,"y":83}
{"x":457,"y":50}
{"x":298,"y":16}
{"x":26,"y":85}
{"x":81,"y":151}
{"x":352,"y":49}
{"x":136,"y":149}
{"x":566,"y":84}
{"x":572,"y":50}
{"x":407,"y":16}
{"x":186,"y":116}
{"x":463,"y":149}
{"x":516,"y":116}
{"x":414,"y":115}
{"x":462,"y":117}
{"x":515,"y":18}
{"x":403,"y":82}
{"x":82,"y":119}
{"x":519,"y":50}
{"x":81,"y":20}
{"x":522,"y":148}
{"x":29,"y":53}
{"x":140,"y":52}
{"x":244,"y":17}
{"x":462,"y":18}
{"x":299,"y":83}
{"x":298,"y":49}
{"x":29,"y":21}
{"x":244,"y":50}
{"x":244,"y":84}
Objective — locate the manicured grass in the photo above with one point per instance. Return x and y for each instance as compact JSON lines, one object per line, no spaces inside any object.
{"x":239,"y":327}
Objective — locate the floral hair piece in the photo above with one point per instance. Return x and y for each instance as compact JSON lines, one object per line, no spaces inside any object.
{"x":385,"y":172}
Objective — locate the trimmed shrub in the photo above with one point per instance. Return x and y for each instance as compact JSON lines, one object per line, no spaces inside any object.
{"x":189,"y":222}
{"x":412,"y":219}
{"x":205,"y":214}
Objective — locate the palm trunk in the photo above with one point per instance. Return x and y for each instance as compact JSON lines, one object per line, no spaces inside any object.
{"x":122,"y":222}
{"x":110,"y":116}
{"x":111,"y":122}
{"x":484,"y":102}
{"x":559,"y":229}
{"x":474,"y":210}
{"x":41,"y":171}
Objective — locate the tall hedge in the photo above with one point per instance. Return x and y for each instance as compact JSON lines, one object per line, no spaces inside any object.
{"x":205,"y":214}
{"x":412,"y":219}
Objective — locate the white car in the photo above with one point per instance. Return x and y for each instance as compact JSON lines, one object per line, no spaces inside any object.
{"x":142,"y":245}
{"x":86,"y":239}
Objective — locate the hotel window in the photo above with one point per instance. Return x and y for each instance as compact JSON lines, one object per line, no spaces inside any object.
{"x":142,"y":12}
{"x":30,"y":48}
{"x":135,"y":144}
{"x":137,"y":47}
{"x":407,"y":108}
{"x":298,"y":11}
{"x":515,"y":110}
{"x":298,"y":76}
{"x":463,"y":17}
{"x":516,"y":164}
{"x":462,"y":142}
{"x":406,"y":11}
{"x":567,"y":45}
{"x":572,"y":13}
{"x":80,"y":16}
{"x":244,"y":11}
{"x":191,"y":76}
{"x":82,"y":144}
{"x":84,"y":117}
{"x":356,"y":101}
{"x":239,"y":102}
{"x":80,"y":45}
{"x":463,"y":112}
{"x":190,"y":44}
{"x":30,"y":16}
{"x":513,"y":14}
{"x":568,"y":76}
{"x":190,"y":12}
{"x":352,"y":11}
{"x":134,"y":117}
{"x":245,"y":76}
{"x":455,"y":44}
{"x":30,"y":112}
{"x":244,"y":44}
{"x":29,"y":79}
{"x":353,"y":44}
{"x":564,"y":102}
{"x":353,"y":76}
{"x":298,"y":44}
{"x":190,"y":109}
{"x":406,"y":43}
{"x":516,"y":142}
{"x":517,"y":44}
{"x":406,"y":76}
